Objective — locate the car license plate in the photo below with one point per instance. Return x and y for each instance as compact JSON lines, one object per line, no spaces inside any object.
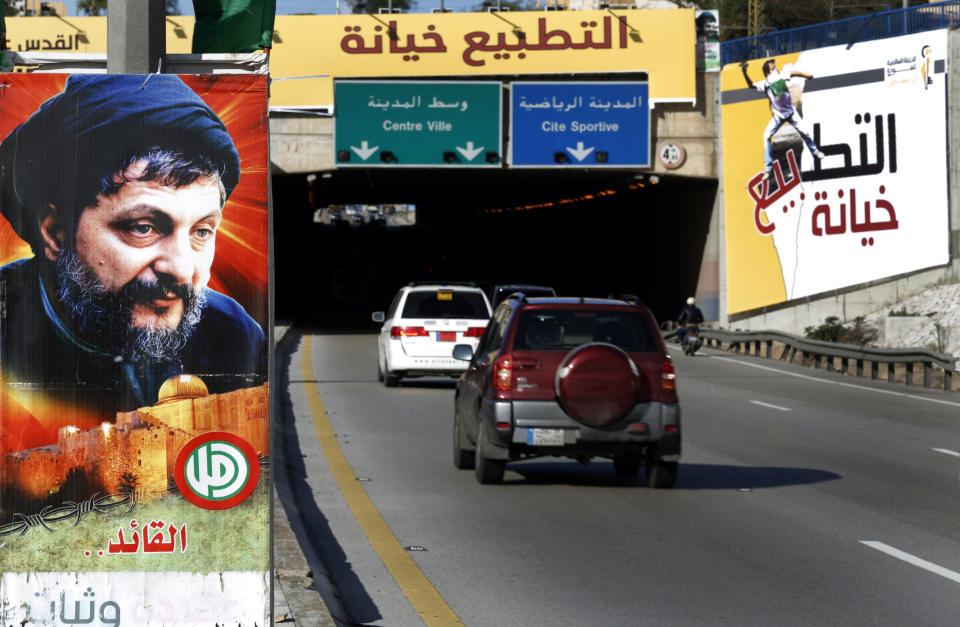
{"x":446,"y":336}
{"x":545,"y":437}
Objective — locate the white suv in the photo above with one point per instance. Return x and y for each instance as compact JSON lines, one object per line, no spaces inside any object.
{"x":425,"y":321}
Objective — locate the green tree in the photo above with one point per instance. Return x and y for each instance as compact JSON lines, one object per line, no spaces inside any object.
{"x":374,"y":6}
{"x":507,"y":5}
{"x":782,"y":14}
{"x":92,"y":7}
{"x":832,"y":330}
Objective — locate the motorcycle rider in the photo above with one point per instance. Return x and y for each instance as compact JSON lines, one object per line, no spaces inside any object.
{"x":690,"y":317}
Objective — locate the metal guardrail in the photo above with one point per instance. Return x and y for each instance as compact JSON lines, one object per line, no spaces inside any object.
{"x":817,"y":353}
{"x":932,"y":16}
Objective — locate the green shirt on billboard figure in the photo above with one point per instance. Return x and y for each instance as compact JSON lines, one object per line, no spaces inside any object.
{"x":118,"y":185}
{"x":775,"y":86}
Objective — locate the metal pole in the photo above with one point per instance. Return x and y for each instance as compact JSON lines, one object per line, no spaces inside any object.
{"x":136,"y":36}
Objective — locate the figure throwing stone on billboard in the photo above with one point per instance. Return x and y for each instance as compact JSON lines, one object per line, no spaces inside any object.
{"x":775,"y":86}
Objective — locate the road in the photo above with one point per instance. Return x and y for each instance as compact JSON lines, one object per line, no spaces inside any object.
{"x":804,"y":498}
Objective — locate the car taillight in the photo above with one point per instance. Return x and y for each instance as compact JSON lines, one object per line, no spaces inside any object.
{"x":473,"y":332}
{"x":503,"y":373}
{"x":668,"y":379}
{"x":396,"y":332}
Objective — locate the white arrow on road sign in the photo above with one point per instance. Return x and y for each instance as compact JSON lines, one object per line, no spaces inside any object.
{"x":580,"y":153}
{"x":469,"y":152}
{"x":364,"y":151}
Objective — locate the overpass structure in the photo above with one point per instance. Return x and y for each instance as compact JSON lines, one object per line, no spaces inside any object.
{"x":748,"y":276}
{"x":567,"y":84}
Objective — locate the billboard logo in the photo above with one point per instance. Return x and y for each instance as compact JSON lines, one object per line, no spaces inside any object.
{"x":217,"y":470}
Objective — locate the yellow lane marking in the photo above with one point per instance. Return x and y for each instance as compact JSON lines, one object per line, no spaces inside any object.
{"x":424,"y":598}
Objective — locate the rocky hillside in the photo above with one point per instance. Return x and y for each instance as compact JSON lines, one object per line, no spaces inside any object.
{"x":932,"y":321}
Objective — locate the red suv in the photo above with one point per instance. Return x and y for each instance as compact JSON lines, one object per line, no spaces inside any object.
{"x":571,"y":377}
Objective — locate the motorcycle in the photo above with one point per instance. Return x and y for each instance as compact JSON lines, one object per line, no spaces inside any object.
{"x":691,"y":341}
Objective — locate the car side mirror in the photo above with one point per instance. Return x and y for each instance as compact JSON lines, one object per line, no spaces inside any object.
{"x":463,"y":352}
{"x":378,"y":316}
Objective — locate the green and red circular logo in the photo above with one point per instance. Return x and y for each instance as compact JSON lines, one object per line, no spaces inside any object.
{"x":217,"y":470}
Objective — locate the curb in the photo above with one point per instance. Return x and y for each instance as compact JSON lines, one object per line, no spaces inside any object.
{"x":297,"y":600}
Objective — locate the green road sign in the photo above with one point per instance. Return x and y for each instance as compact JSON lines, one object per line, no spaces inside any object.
{"x":417,"y":124}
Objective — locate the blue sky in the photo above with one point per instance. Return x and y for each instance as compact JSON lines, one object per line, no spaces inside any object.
{"x":323,"y":7}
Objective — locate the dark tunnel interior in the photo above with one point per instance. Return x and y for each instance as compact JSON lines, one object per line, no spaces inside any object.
{"x":584,"y":233}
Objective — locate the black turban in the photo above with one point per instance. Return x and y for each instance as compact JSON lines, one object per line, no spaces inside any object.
{"x":90,"y":130}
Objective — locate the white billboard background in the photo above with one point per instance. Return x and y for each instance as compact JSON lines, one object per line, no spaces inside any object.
{"x":877,"y":204}
{"x":134,"y":598}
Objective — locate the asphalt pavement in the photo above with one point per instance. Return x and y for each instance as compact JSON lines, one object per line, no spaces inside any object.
{"x":300,"y":590}
{"x":805,"y":498}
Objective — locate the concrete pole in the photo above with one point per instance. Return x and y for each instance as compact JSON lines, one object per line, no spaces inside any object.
{"x":136,"y":36}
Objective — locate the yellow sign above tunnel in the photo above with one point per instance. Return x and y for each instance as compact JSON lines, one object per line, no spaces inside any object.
{"x":309,"y":51}
{"x":658,"y":42}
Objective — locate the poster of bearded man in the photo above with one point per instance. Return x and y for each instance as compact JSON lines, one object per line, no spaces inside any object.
{"x":133,"y":343}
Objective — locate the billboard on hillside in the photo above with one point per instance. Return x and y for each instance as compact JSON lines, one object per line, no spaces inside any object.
{"x":835,"y":168}
{"x":134,"y":404}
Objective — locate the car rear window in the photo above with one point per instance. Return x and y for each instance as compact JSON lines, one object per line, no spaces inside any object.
{"x":445,"y":304}
{"x":566,"y":329}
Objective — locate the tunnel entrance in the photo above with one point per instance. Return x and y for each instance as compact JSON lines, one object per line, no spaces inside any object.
{"x":586,"y":233}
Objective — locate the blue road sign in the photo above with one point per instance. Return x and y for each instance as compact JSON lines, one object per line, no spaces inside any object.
{"x":580,"y":125}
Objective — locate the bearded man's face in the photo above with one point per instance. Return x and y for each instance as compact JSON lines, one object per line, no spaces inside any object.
{"x":133,"y":283}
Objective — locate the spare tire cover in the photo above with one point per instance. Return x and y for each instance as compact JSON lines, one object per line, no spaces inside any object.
{"x":597,"y":384}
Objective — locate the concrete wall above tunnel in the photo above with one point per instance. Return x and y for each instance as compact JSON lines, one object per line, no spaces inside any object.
{"x":302,"y":143}
{"x":685,"y":202}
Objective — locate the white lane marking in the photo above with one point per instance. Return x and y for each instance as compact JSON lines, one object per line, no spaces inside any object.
{"x":913,"y":559}
{"x":847,"y":385}
{"x":762,"y":404}
{"x":947,"y":451}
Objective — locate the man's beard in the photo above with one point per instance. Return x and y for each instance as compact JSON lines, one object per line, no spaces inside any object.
{"x":104,"y":317}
